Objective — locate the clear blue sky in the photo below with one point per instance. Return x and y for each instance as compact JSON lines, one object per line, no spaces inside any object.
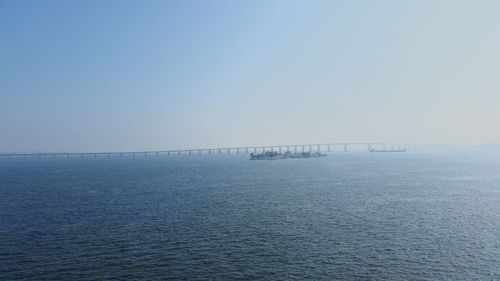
{"x":127,"y":75}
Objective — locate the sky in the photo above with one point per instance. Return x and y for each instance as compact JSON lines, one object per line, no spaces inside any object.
{"x":105,"y":75}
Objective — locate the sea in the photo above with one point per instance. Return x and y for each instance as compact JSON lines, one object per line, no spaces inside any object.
{"x":349,"y":216}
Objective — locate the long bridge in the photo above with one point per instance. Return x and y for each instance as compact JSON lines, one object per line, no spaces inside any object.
{"x":295,"y":148}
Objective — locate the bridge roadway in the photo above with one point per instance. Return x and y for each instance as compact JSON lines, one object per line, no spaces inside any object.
{"x":295,"y":148}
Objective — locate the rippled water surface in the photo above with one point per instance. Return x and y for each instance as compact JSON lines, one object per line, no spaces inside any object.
{"x":350,"y":216}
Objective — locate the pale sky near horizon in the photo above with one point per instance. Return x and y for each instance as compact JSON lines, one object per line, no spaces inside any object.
{"x":132,"y":75}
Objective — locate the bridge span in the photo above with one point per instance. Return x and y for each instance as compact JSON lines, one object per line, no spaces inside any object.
{"x":294,"y":148}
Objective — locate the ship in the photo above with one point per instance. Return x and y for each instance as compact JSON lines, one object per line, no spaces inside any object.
{"x":271,"y":155}
{"x":386,"y":150}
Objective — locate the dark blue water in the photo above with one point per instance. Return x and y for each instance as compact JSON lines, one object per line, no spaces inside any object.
{"x":350,"y":216}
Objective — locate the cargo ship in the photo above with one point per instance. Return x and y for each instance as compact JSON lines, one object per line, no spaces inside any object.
{"x":387,"y":150}
{"x":271,"y":155}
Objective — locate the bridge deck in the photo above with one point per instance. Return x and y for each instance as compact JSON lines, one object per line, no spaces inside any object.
{"x":323,"y":147}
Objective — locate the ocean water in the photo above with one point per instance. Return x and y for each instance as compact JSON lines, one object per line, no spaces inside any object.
{"x":350,"y":216}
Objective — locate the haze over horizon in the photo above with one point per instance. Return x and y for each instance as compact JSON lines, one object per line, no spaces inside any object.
{"x":143,"y":75}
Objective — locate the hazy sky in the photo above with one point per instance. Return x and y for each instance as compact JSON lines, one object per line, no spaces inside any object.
{"x":129,"y":75}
